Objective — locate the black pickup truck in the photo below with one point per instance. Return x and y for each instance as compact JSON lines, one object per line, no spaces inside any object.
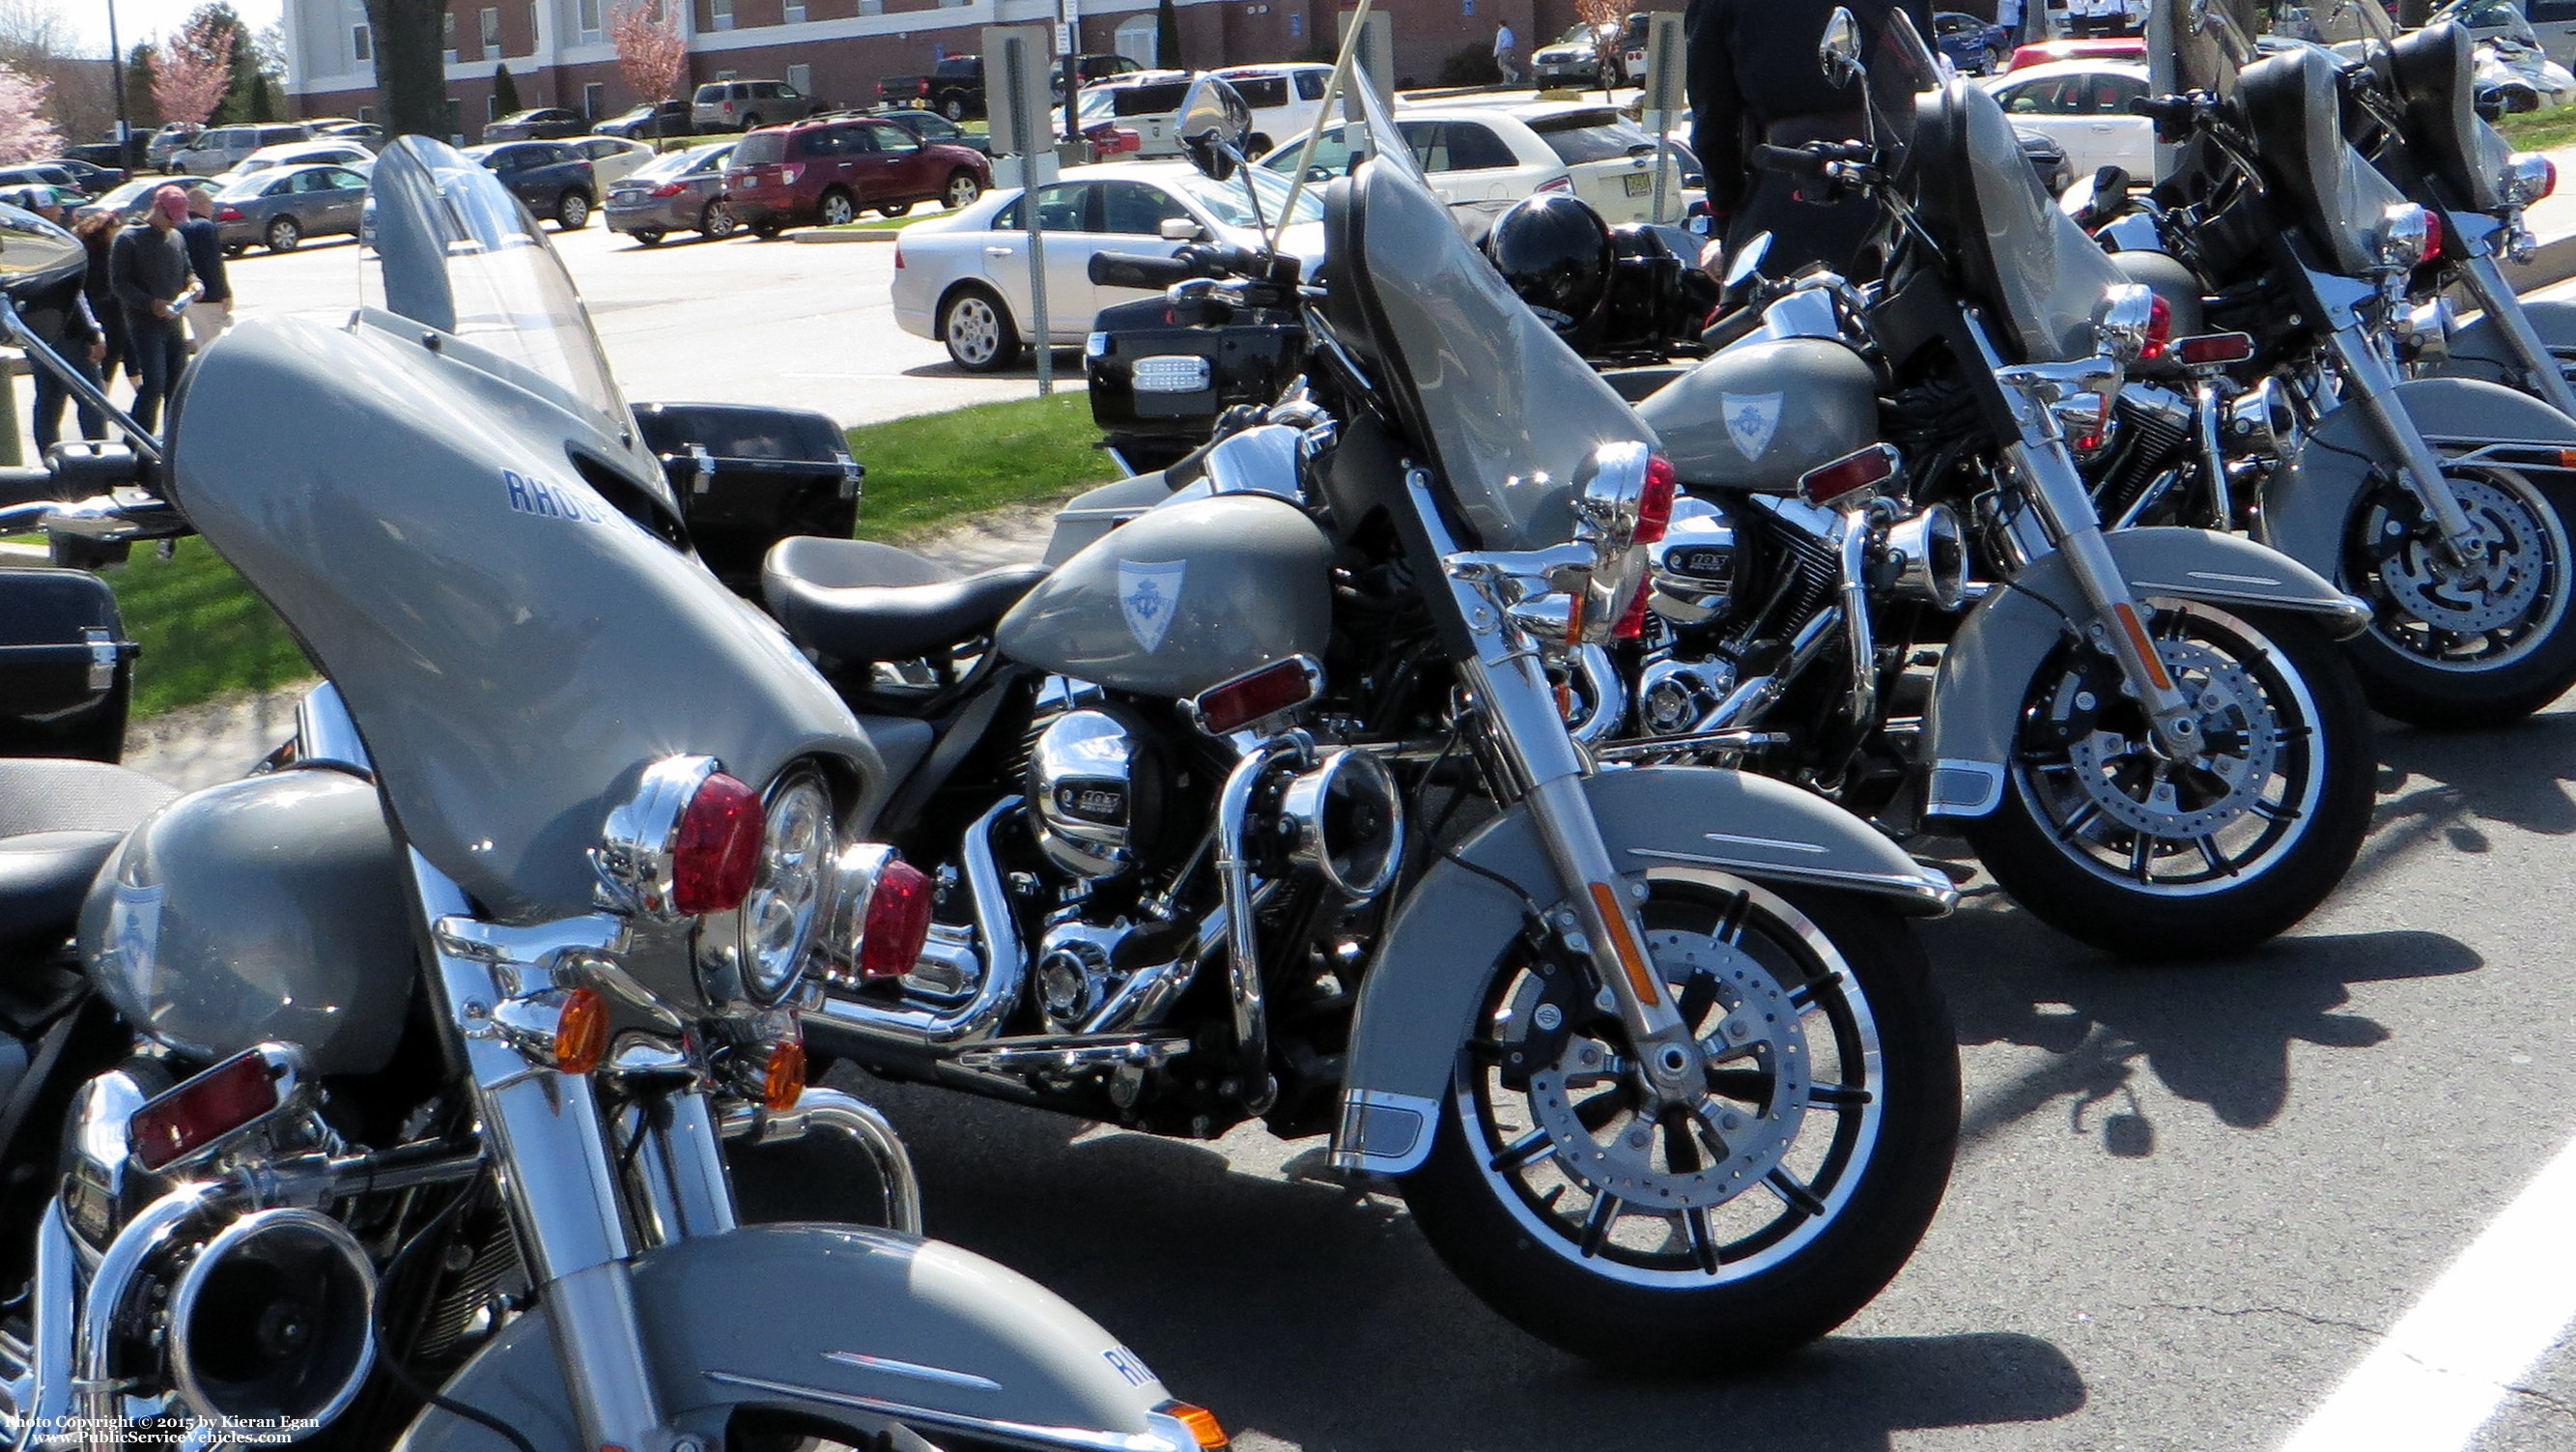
{"x":955,"y":88}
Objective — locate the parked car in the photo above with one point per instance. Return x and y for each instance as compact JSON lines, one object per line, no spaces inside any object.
{"x":1285,"y":99}
{"x":2101,"y":47}
{"x":168,"y":142}
{"x":828,"y":171}
{"x":540,"y":123}
{"x":2519,"y":78}
{"x":279,"y":207}
{"x":224,"y":147}
{"x":678,"y":191}
{"x":43,"y":174}
{"x":1572,"y":59}
{"x":337,"y":153}
{"x":747,"y":105}
{"x":2083,"y":106}
{"x":89,"y":176}
{"x":133,"y":199}
{"x":1976,"y":47}
{"x":954,"y":88}
{"x":363,"y":133}
{"x":964,"y":280}
{"x":1479,"y":154}
{"x":2047,"y":158}
{"x":551,"y":178}
{"x":929,"y":126}
{"x":1145,"y":102}
{"x":662,"y":118}
{"x":1090,"y":68}
{"x":612,"y":158}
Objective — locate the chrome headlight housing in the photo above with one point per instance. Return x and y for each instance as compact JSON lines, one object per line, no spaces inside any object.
{"x":1623,"y":501}
{"x":2529,"y":177}
{"x":2407,"y":237}
{"x":774,"y":930}
{"x":2123,"y":320}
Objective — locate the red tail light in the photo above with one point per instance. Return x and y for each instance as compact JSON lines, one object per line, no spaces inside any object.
{"x":1861,"y":470}
{"x":226,"y":1097}
{"x":2159,"y":329}
{"x":898,"y":252}
{"x":1632,"y":621}
{"x":229,"y":214}
{"x":667,"y":189}
{"x":718,"y":851}
{"x":898,"y":921}
{"x":2432,"y":234}
{"x":1655,"y":503}
{"x":1264,"y":691}
{"x":1560,"y":184}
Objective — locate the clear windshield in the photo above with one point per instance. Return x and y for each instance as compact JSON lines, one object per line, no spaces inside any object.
{"x":456,"y":252}
{"x":1226,"y":202}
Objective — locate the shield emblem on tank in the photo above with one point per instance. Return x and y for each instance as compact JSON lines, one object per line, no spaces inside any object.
{"x":1147,"y":596}
{"x":1751,"y":419}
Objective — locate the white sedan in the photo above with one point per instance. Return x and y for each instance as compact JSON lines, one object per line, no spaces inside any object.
{"x":612,"y":158}
{"x":963,"y":279}
{"x":2083,"y":106}
{"x":1501,"y":154}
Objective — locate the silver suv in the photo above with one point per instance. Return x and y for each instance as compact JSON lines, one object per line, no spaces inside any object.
{"x":217,"y":150}
{"x":742,"y":105}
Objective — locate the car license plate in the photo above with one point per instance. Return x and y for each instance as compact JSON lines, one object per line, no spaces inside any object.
{"x":1639,"y":183}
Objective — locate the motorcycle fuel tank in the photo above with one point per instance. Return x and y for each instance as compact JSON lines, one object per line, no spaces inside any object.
{"x":1756,"y":417}
{"x":1183,"y":597}
{"x":266,"y":908}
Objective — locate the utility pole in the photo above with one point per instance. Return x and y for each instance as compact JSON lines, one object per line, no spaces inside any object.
{"x":116,"y":77}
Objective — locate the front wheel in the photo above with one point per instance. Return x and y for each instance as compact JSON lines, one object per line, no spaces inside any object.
{"x":2474,"y":646}
{"x":716,"y":221}
{"x":962,"y":190}
{"x":1734,"y":1225}
{"x":2111,"y":841}
{"x":978,"y":331}
{"x":284,"y":235}
{"x":572,"y":212}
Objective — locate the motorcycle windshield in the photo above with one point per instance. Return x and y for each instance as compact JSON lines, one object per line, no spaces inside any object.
{"x":1508,"y":411}
{"x":451,"y":528}
{"x":2436,"y":80}
{"x":2295,"y":116}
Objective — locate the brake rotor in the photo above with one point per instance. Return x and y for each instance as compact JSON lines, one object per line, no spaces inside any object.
{"x":2499,"y":587}
{"x":2187,"y":800}
{"x":1738,"y":1144}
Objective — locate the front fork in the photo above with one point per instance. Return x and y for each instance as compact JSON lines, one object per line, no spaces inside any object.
{"x":2370,"y":383}
{"x":1507,"y":678}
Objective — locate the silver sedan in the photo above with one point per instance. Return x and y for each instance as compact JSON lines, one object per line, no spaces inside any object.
{"x":678,"y":191}
{"x":282,"y":206}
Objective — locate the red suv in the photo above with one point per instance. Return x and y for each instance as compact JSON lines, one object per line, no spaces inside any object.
{"x":828,"y":170}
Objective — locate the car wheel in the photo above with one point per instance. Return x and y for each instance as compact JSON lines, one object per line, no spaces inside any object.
{"x":978,"y":331}
{"x":954,"y":108}
{"x":963,"y":189}
{"x":748,"y":122}
{"x":235,"y":249}
{"x":284,"y":234}
{"x":649,"y":237}
{"x":895,"y":209}
{"x":766,"y":229}
{"x":716,"y":221}
{"x":836,"y":209}
{"x":572,"y":212}
{"x":1260,"y":145}
{"x":1994,"y":62}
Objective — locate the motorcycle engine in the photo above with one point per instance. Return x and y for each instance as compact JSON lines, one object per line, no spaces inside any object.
{"x":1097,"y":780}
{"x":1694,"y":566}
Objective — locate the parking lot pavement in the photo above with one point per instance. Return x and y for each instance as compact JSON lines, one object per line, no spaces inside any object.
{"x":737,"y":321}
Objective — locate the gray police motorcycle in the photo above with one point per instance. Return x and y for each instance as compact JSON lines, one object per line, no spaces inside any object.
{"x":1260,"y":801}
{"x":382,"y":1097}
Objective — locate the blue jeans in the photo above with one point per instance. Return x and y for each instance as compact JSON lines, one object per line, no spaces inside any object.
{"x":161,"y":351}
{"x":51,"y":395}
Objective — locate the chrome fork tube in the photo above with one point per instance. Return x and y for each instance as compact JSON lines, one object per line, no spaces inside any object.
{"x":2368,"y":381}
{"x":1862,"y":642}
{"x":2206,"y":405}
{"x":1243,"y":950}
{"x":679,"y":1167}
{"x":2487,"y":284}
{"x":53,"y":1329}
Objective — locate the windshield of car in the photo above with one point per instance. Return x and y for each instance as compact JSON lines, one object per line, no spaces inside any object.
{"x":1226,"y":202}
{"x":1580,"y":136}
{"x":247,"y":184}
{"x":456,"y":252}
{"x":673,"y":163}
{"x":1578,"y":31}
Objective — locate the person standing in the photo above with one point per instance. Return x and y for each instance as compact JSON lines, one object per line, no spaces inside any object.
{"x":148,"y":267}
{"x":212,"y":312}
{"x":1505,"y":43}
{"x":97,"y":231}
{"x":1754,"y":80}
{"x":60,"y":318}
{"x":2008,"y":14}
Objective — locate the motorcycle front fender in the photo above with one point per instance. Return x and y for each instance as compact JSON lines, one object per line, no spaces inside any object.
{"x":864,"y":1328}
{"x":1985,"y":675}
{"x":2480,"y":350}
{"x":1419,"y":998}
{"x":2310,"y":502}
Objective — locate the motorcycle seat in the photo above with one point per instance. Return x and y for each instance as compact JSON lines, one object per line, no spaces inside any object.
{"x":853,"y":600}
{"x":59,"y":823}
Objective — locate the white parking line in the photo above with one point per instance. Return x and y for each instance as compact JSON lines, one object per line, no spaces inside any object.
{"x":2440,"y":1372}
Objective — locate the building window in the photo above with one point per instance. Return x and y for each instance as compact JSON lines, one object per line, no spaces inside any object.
{"x":455,"y":120}
{"x":872,"y":7}
{"x":793,"y":12}
{"x":801,"y":77}
{"x":1296,"y":24}
{"x":447,"y":37}
{"x":727,"y":75}
{"x":491,"y":109}
{"x":590,"y":22}
{"x":1136,"y":38}
{"x":719,"y":14}
{"x":491,"y":32}
{"x":594,"y":95}
{"x":362,"y":43}
{"x":367,"y":114}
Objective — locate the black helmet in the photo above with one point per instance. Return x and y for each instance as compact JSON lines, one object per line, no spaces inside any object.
{"x":1555,"y":252}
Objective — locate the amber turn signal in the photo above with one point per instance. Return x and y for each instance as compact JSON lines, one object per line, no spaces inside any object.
{"x":581,"y":1031}
{"x":1202,"y":1424}
{"x":782,"y":1083}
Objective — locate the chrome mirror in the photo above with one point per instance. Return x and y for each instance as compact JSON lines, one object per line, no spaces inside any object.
{"x":1839,"y":50}
{"x":1747,"y":261}
{"x":1215,"y":125}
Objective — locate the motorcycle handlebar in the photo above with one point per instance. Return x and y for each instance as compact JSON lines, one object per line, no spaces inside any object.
{"x":1128,"y":269}
{"x":1792,"y":160}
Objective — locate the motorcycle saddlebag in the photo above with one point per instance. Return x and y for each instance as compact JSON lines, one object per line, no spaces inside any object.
{"x":748,"y":476}
{"x":66,"y":668}
{"x":1243,"y":359}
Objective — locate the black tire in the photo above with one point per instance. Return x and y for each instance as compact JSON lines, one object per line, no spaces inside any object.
{"x":2058,"y":841}
{"x":1994,"y":62}
{"x":767,"y":229}
{"x":976,"y":326}
{"x":715,"y":220}
{"x":953,"y":107}
{"x":2531,"y":659}
{"x":895,"y":209}
{"x":750,"y":122}
{"x":962,"y":190}
{"x":835,"y":209}
{"x":1875,"y":1156}
{"x":647,"y":237}
{"x":1257,"y":146}
{"x":572,"y":211}
{"x":284,"y":234}
{"x":235,"y":249}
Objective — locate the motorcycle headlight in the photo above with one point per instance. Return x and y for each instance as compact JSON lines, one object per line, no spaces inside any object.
{"x":2529,"y":178}
{"x":2408,"y":236}
{"x":776,"y":924}
{"x":1623,"y":502}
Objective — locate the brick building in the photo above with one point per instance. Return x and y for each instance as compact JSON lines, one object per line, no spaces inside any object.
{"x":558,"y":51}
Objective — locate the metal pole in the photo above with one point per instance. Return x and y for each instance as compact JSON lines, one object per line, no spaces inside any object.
{"x":1072,"y":13}
{"x":2163,"y":74}
{"x":116,"y":75}
{"x":1015,"y":61}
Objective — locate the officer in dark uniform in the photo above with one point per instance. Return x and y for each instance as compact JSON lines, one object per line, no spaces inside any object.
{"x":1753,"y":79}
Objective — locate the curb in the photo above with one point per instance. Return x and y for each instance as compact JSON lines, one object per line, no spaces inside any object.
{"x":2552,"y":262}
{"x":823,"y":234}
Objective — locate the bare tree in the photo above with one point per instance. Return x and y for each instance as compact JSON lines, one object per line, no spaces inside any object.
{"x":31,"y":33}
{"x":24,"y":134}
{"x":651,"y":52}
{"x":194,"y":69}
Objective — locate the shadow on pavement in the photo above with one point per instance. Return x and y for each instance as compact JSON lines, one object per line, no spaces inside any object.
{"x":2217,"y":1033}
{"x":2434,"y":784}
{"x":1068,"y":370}
{"x":1309,"y":1312}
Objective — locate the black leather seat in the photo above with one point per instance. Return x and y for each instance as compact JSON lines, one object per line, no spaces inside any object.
{"x":59,"y":821}
{"x":856,"y":601}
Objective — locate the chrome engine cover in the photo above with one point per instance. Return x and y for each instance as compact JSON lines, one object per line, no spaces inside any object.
{"x":1095,"y":791}
{"x":1694,"y":564}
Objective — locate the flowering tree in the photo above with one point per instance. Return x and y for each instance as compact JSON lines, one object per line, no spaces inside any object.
{"x":195,"y":69}
{"x":24,"y":135}
{"x":651,"y":53}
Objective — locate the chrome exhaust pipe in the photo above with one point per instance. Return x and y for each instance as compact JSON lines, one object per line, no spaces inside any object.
{"x":998,"y":989}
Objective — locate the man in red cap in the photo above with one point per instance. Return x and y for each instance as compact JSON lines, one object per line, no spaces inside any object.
{"x":148,"y":268}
